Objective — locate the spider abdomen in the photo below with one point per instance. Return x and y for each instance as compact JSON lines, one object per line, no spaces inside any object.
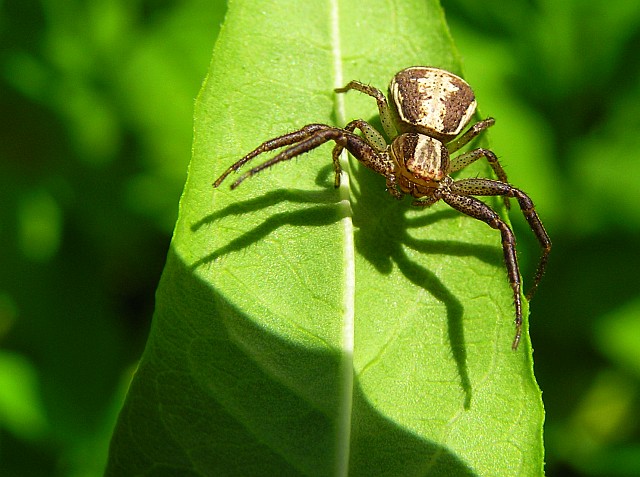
{"x":432,"y":101}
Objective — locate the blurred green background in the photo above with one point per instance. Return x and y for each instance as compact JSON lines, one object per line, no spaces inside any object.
{"x":96,"y":103}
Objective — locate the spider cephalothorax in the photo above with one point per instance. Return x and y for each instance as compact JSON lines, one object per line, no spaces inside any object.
{"x":430,"y":108}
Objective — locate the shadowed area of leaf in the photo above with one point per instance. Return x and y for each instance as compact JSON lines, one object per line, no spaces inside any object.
{"x":237,"y":385}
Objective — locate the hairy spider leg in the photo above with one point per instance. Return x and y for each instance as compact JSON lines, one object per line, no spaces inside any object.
{"x":481,"y":211}
{"x":463,"y":160}
{"x":488,"y":187}
{"x":357,"y":146}
{"x":372,"y":137}
{"x":386,"y":118}
{"x":471,"y":133}
{"x":371,"y":134}
{"x":270,"y":145}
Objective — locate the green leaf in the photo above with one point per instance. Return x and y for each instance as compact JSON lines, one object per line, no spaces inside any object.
{"x":304,"y":330}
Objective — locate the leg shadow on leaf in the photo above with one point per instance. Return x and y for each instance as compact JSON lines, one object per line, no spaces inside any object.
{"x":387,"y":236}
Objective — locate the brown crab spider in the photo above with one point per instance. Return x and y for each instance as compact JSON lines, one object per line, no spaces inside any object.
{"x":429,"y":109}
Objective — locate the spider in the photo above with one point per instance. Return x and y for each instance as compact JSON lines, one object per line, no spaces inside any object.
{"x":429,"y":108}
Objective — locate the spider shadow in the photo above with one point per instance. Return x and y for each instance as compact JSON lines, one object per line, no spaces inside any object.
{"x":381,"y":235}
{"x":317,"y":215}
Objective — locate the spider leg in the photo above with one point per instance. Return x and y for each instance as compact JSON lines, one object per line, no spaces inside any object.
{"x":471,"y":133}
{"x":375,"y":156}
{"x":372,"y":136}
{"x":353,"y":143}
{"x":386,"y":117}
{"x":481,"y":211}
{"x":463,"y":160}
{"x":271,"y":144}
{"x":493,"y":188}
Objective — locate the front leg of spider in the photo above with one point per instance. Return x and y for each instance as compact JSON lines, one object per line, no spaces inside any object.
{"x":481,"y":211}
{"x":488,"y":187}
{"x":304,"y":140}
{"x":423,"y":118}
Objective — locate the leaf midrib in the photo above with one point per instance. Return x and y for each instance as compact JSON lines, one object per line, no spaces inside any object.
{"x":344,"y":426}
